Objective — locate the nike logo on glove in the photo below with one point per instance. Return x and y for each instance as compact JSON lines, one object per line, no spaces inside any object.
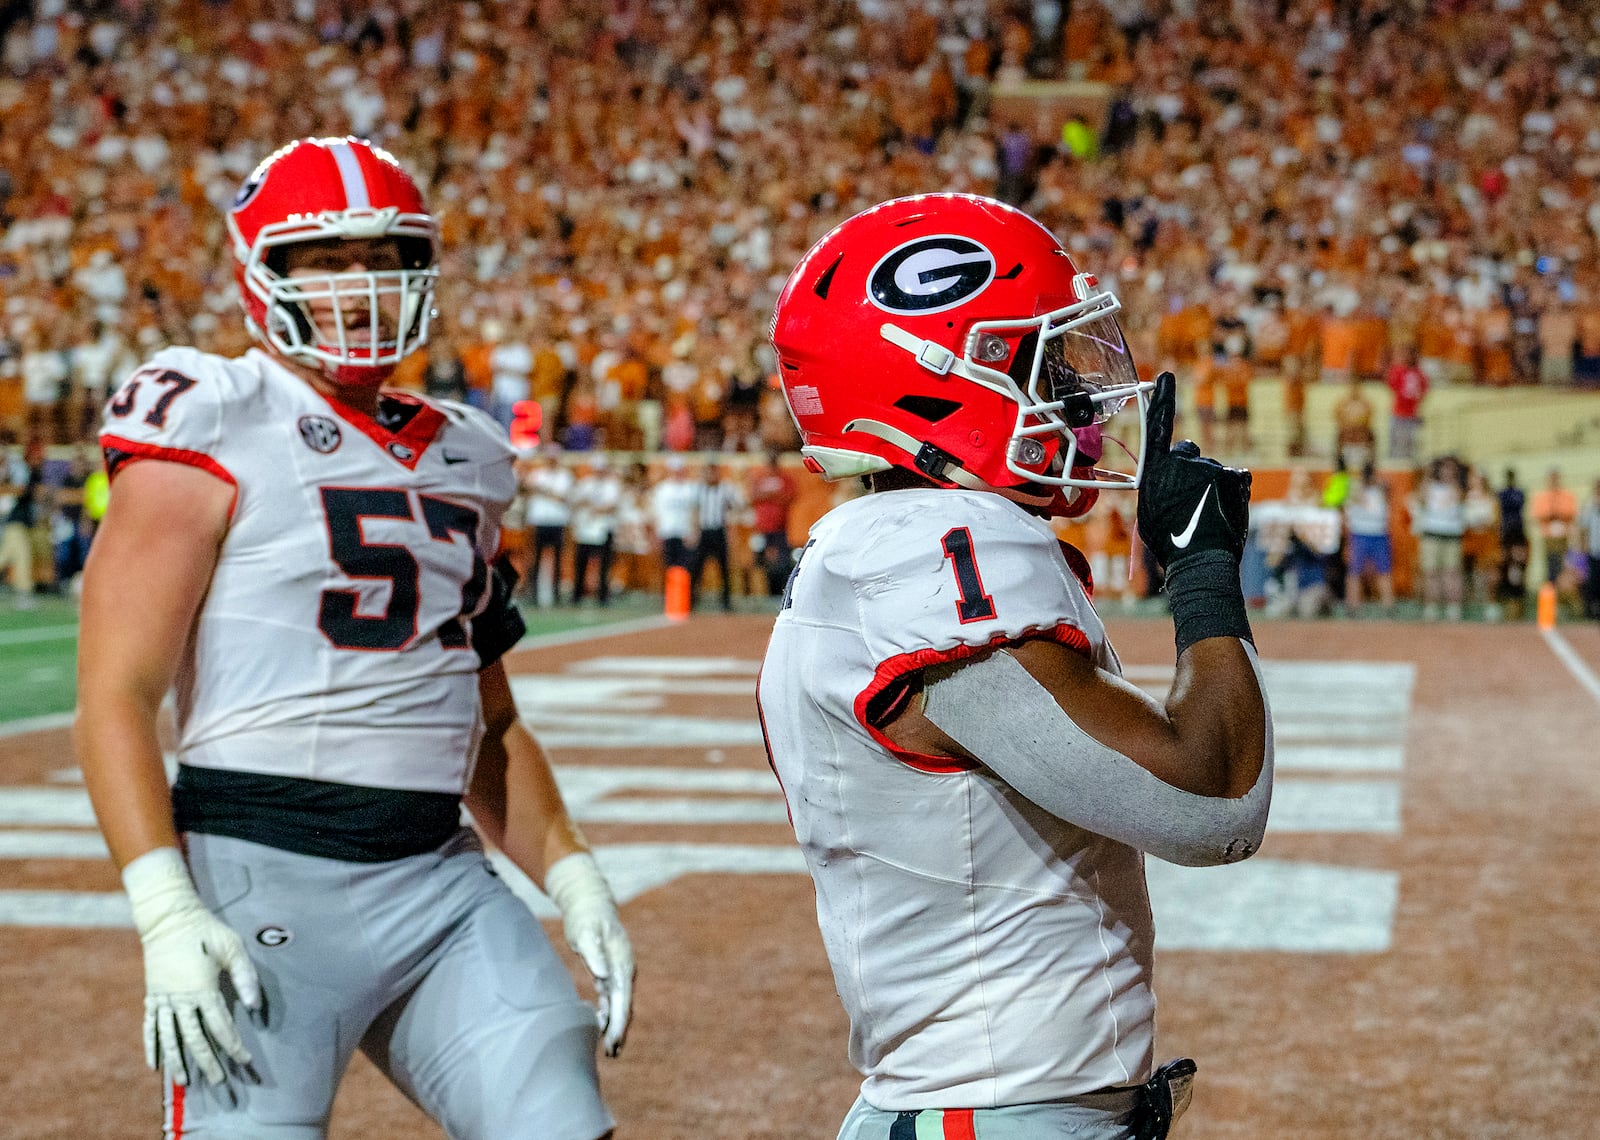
{"x":452,"y":460}
{"x":1181,"y":541}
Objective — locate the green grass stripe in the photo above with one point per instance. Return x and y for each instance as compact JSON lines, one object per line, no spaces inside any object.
{"x":38,"y":648}
{"x":43,"y":633}
{"x":564,"y":619}
{"x":49,"y":612}
{"x":37,"y":678}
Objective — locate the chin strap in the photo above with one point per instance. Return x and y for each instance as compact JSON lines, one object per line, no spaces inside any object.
{"x":356,"y":375}
{"x":938,"y":464}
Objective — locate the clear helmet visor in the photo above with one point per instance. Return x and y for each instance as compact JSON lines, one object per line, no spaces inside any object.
{"x":1086,"y":370}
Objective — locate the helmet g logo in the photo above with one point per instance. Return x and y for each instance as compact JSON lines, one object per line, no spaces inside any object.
{"x":247,"y":192}
{"x":930,"y":275}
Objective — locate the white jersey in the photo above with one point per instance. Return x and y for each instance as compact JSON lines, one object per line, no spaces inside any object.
{"x":333,"y":644}
{"x":549,"y":489}
{"x":1366,"y":511}
{"x":987,"y":952}
{"x":595,"y":501}
{"x":673,"y":503}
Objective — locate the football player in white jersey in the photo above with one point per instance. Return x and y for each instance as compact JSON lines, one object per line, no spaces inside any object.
{"x":972,"y":782}
{"x":305,"y":556}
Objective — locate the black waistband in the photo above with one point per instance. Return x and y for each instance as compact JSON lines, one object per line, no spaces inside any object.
{"x":313,"y":817}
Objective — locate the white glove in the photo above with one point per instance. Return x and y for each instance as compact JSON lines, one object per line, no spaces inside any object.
{"x":594,"y":931}
{"x":186,"y":948}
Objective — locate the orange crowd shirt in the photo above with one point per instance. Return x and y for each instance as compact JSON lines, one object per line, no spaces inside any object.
{"x":1555,"y":510}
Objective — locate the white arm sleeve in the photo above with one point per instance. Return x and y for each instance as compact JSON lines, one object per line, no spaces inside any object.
{"x":1035,"y":747}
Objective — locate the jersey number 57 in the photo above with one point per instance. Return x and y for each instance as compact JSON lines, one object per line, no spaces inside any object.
{"x":396,"y":627}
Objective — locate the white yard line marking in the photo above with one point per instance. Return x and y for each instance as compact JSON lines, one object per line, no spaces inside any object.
{"x":43,"y":633}
{"x":52,"y":845}
{"x":1575,"y":665}
{"x":1273,"y":904}
{"x":1343,"y":757}
{"x":589,"y":633}
{"x":35,"y":724}
{"x":653,"y":668}
{"x":634,"y":868}
{"x":1347,"y":806}
{"x":64,"y":908}
{"x":1334,"y":720}
{"x":45,"y":807}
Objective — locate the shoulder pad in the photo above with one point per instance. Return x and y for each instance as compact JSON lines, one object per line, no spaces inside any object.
{"x":477,"y":421}
{"x":173,"y":407}
{"x":979,"y":572}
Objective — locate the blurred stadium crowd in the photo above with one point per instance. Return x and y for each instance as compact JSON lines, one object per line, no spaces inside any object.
{"x":1302,"y":187}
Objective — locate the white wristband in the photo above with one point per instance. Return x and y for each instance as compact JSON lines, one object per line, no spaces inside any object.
{"x":575,"y":881}
{"x":158,"y":885}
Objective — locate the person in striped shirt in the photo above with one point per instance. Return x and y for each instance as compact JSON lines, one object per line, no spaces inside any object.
{"x":719,"y":503}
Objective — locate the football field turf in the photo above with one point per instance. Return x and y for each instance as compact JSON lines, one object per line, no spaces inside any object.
{"x":38,"y":657}
{"x":39,"y":647}
{"x":1423,"y":902}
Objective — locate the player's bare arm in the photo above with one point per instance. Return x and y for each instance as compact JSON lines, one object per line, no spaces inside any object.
{"x":516,"y":803}
{"x":147,"y":573}
{"x":513,"y":798}
{"x":163,"y":532}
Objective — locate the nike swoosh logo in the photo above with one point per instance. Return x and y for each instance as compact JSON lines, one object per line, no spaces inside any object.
{"x":1181,"y":541}
{"x":448,"y":458}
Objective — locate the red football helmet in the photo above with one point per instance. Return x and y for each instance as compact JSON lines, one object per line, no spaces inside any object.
{"x":334,"y":188}
{"x":951,"y":335}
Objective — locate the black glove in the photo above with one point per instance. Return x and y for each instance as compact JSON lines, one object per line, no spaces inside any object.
{"x":1162,"y":1099}
{"x":1187,"y":503}
{"x":499,"y":627}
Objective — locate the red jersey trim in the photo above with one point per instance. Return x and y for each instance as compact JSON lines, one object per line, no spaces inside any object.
{"x":133,"y":450}
{"x":405,"y":446}
{"x":896,"y":667}
{"x":1078,"y":563}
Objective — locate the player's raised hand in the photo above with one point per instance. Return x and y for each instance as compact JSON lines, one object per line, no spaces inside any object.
{"x":1187,"y":503}
{"x":594,"y":931}
{"x":187,"y":949}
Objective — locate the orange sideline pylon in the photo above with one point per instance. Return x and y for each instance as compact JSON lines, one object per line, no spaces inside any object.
{"x":677,"y":594}
{"x":1547,"y":606}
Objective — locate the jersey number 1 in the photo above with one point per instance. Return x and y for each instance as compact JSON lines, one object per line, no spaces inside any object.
{"x":974,"y":604}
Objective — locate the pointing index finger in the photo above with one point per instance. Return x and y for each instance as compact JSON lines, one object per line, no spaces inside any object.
{"x":1163,"y":409}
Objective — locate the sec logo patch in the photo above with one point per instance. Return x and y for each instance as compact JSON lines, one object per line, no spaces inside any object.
{"x":930,"y":275}
{"x":320,"y":434}
{"x":274,"y":936}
